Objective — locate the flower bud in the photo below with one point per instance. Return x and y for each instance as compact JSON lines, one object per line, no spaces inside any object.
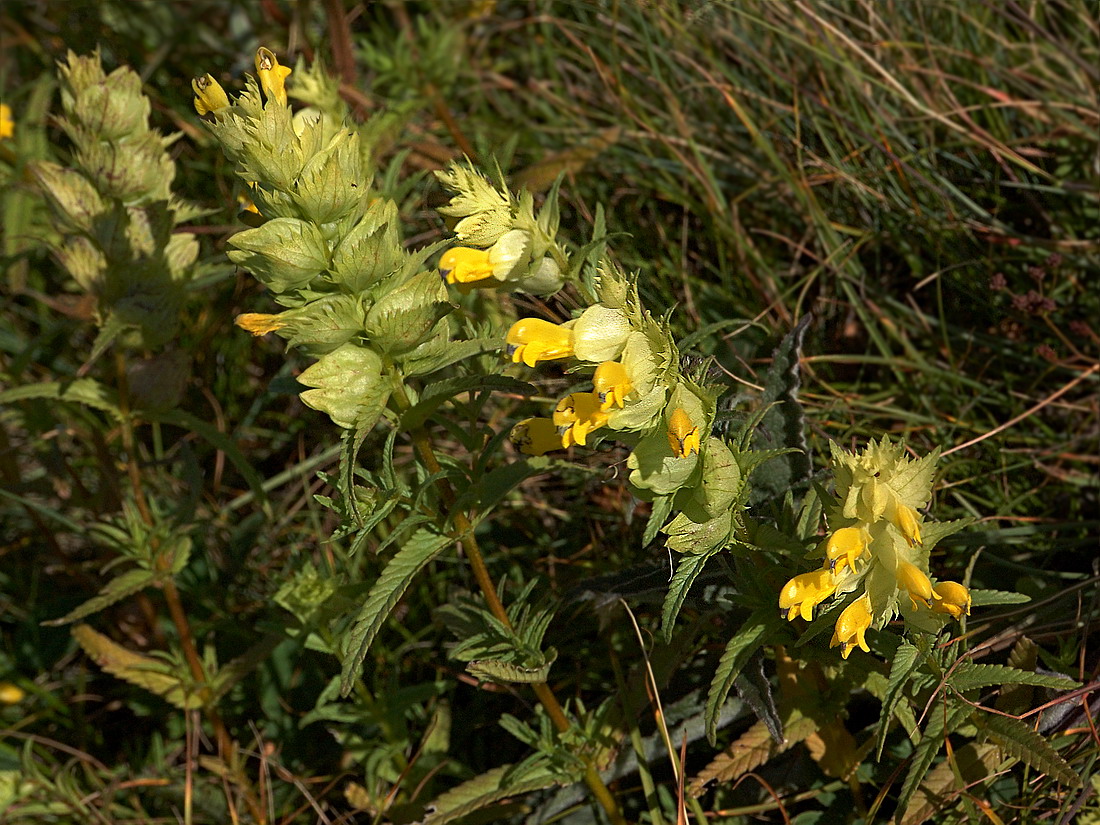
{"x":209,"y":95}
{"x":272,"y":75}
{"x":683,"y":435}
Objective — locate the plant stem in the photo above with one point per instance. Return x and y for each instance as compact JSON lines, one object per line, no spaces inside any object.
{"x":171,"y":593}
{"x":465,"y":534}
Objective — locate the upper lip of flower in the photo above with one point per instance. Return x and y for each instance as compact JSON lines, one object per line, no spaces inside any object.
{"x":683,"y":435}
{"x":531,"y":340}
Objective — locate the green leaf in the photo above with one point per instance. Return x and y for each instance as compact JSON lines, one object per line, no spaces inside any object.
{"x":403,"y":317}
{"x":371,"y":251}
{"x":983,"y":598}
{"x":969,"y":676}
{"x":439,"y":392}
{"x":485,"y":790}
{"x":421,"y":548}
{"x":115,"y":590}
{"x":283,"y":253}
{"x":687,"y":571}
{"x":1019,"y":740}
{"x":85,"y":391}
{"x":144,"y":671}
{"x":972,"y":762}
{"x":783,"y":426}
{"x":906,"y":659}
{"x":496,"y":670}
{"x":924,"y":754}
{"x":662,"y":506}
{"x":738,"y":650}
{"x":689,"y":537}
{"x":434,"y":355}
{"x":347,"y":384}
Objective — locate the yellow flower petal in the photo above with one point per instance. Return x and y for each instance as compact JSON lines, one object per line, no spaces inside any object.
{"x":905,"y":519}
{"x":272,"y":75}
{"x":209,"y":95}
{"x":258,"y":323}
{"x":954,"y":599}
{"x":612,"y":383}
{"x":845,"y":546}
{"x":577,"y":416}
{"x":803,"y":593}
{"x":851,"y":628}
{"x":7,"y":125}
{"x":531,"y":340}
{"x":912,"y":579}
{"x":462,"y":265}
{"x":536,"y":436}
{"x":683,"y":435}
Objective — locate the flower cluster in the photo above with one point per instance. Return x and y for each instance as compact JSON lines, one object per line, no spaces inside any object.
{"x":115,"y":206}
{"x":505,"y":245}
{"x":326,"y":245}
{"x":641,"y":396}
{"x":878,"y":543}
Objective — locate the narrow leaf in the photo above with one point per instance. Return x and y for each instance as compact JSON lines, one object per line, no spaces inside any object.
{"x":686,"y":572}
{"x":495,"y":670}
{"x":970,"y":676}
{"x":482,"y":791}
{"x":85,"y":391}
{"x":442,"y":391}
{"x":143,"y":671}
{"x":1019,"y":740}
{"x":421,"y":548}
{"x":115,"y":590}
{"x":737,"y":653}
{"x":905,"y":661}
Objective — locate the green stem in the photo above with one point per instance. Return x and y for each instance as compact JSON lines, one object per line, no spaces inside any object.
{"x":465,"y":534}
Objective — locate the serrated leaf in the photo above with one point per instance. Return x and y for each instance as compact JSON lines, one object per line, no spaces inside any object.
{"x":751,"y":750}
{"x":738,"y":650}
{"x":115,"y":590}
{"x":687,"y":571}
{"x":283,"y":253}
{"x":1020,"y":741}
{"x":662,"y":506}
{"x":905,"y":661}
{"x":144,"y":671}
{"x":783,"y":426}
{"x":484,"y":790}
{"x":968,"y":676}
{"x":496,"y":670}
{"x":371,"y":251}
{"x":431,"y":356}
{"x":85,"y":391}
{"x":984,"y":598}
{"x":924,"y":754}
{"x":973,"y":763}
{"x":421,"y":548}
{"x":346,"y":384}
{"x":439,"y":392}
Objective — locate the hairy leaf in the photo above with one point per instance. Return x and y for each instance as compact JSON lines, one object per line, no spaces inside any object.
{"x":484,"y":790}
{"x":115,"y":590}
{"x":686,"y":572}
{"x":968,"y":676}
{"x":1019,"y":740}
{"x":144,"y":671}
{"x":738,"y":650}
{"x":421,"y":548}
{"x":905,"y":661}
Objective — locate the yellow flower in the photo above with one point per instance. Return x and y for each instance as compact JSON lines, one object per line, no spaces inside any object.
{"x":577,"y":415}
{"x":905,"y":519}
{"x":913,"y":580}
{"x":258,"y":323}
{"x":845,"y":546}
{"x":612,"y":383}
{"x":11,"y":694}
{"x":803,"y":593}
{"x":851,"y":627}
{"x":462,"y":265}
{"x":536,"y":436}
{"x":531,"y":340}
{"x":272,"y":75}
{"x":209,"y":95}
{"x":954,"y":599}
{"x":7,"y":125}
{"x":683,"y":436}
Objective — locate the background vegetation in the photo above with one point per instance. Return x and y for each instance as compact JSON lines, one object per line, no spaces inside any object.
{"x":921,"y":177}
